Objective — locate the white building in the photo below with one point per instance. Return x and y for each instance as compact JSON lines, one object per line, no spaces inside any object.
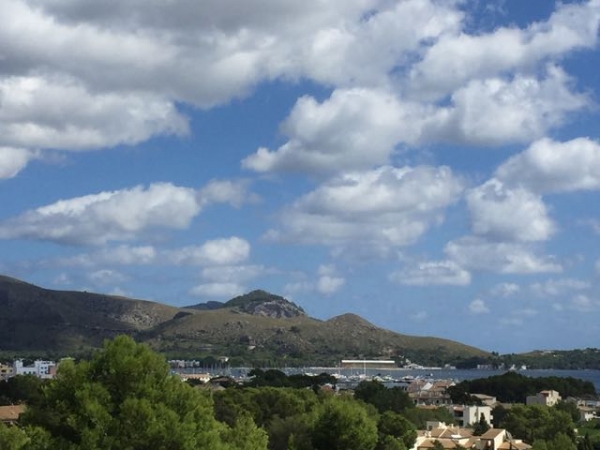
{"x":450,"y":437}
{"x":470,"y":415}
{"x":40,"y":369}
{"x":545,"y":398}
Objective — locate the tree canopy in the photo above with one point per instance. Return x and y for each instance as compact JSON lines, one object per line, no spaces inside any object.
{"x":126,"y":398}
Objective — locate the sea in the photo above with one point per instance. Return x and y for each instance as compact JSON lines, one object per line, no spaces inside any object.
{"x":430,"y":373}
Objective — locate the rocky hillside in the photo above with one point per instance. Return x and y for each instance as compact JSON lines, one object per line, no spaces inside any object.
{"x":258,"y":327}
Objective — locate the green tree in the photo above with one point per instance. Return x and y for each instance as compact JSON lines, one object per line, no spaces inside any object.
{"x":481,"y":426}
{"x":559,"y":442}
{"x":383,"y":398}
{"x":394,"y":425}
{"x":20,"y":389}
{"x":125,"y":398}
{"x":570,"y":408}
{"x":12,"y":438}
{"x":245,"y":435}
{"x":532,"y":423}
{"x":29,"y":438}
{"x":344,"y":424}
{"x":419,"y":416}
{"x":390,"y":443}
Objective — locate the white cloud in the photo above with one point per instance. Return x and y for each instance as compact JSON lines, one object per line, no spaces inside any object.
{"x":433,"y":273}
{"x":496,"y":111}
{"x":548,"y":166}
{"x":477,"y":254}
{"x":352,"y":130}
{"x":502,"y":213}
{"x":13,"y":160}
{"x":65,"y":88}
{"x":121,"y":215}
{"x":505,"y":290}
{"x":329,"y":282}
{"x":107,"y":216}
{"x":226,"y":191}
{"x":218,"y":291}
{"x":456,"y":58}
{"x":376,"y":209}
{"x":328,"y":285}
{"x":558,"y":287}
{"x":233,"y":250}
{"x":61,"y":113}
{"x":478,"y":306}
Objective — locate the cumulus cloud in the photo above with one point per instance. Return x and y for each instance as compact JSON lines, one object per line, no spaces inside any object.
{"x":548,"y":166}
{"x":501,"y":213}
{"x":329,"y":282}
{"x":64,"y":87}
{"x":456,"y":58}
{"x":227,"y":251}
{"x":478,"y":306}
{"x":226,"y":191}
{"x":107,"y":216}
{"x":354,"y":129}
{"x":432,"y":273}
{"x":496,"y":111}
{"x":376,"y":209}
{"x":362,"y":127}
{"x":120,"y":215}
{"x":58,"y":113}
{"x":473,"y":253}
{"x":13,"y":160}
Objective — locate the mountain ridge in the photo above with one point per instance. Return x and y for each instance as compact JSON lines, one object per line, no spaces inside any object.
{"x":257,"y":326}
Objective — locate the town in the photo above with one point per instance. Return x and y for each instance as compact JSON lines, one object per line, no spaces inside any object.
{"x":445,"y":423}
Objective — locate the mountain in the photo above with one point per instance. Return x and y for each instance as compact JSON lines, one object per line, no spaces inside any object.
{"x":257,"y":303}
{"x":258,"y":327}
{"x":33,"y":319}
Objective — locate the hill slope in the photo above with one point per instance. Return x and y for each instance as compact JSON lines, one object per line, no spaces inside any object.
{"x":258,"y":326}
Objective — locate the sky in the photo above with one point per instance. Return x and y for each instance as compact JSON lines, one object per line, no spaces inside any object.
{"x":432,"y":166}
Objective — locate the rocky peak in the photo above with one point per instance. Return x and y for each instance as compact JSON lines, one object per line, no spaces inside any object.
{"x":262,"y":303}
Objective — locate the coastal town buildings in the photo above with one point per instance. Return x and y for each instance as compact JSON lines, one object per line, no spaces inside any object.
{"x":40,"y":368}
{"x":450,"y":437}
{"x":544,"y":398}
{"x":6,"y":371}
{"x":465,"y":415}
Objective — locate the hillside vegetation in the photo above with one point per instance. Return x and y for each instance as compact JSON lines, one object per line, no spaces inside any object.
{"x":258,"y":328}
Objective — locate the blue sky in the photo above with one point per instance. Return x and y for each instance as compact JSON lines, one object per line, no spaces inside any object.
{"x":433,"y":166}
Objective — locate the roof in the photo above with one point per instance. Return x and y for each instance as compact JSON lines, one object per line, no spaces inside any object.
{"x":11,"y":413}
{"x":514,"y":446}
{"x":492,"y":433}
